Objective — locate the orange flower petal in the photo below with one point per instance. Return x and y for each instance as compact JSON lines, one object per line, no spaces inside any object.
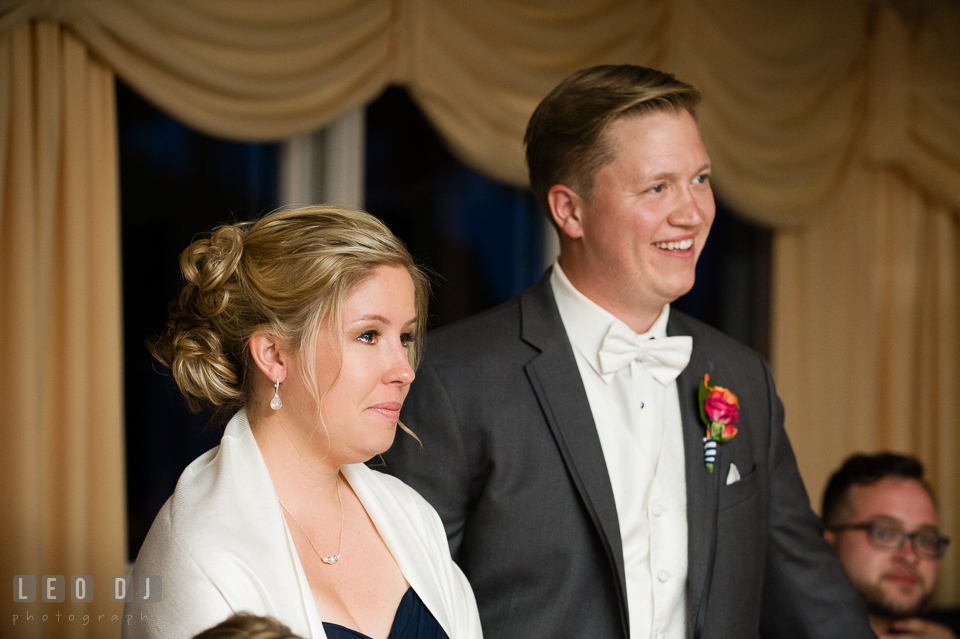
{"x":726,"y":395}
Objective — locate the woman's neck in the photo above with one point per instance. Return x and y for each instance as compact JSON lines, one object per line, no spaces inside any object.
{"x":290,"y":451}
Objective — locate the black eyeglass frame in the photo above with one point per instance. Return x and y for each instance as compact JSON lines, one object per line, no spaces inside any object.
{"x":920,"y":551}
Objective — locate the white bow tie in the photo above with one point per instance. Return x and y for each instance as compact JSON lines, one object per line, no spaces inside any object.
{"x":664,"y":358}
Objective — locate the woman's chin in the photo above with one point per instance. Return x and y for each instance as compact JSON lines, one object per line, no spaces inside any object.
{"x":379,"y":441}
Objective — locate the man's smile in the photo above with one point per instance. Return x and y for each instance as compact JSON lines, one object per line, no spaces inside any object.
{"x":682,"y":245}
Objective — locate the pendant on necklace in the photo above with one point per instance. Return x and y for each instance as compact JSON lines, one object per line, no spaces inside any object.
{"x":330,"y":560}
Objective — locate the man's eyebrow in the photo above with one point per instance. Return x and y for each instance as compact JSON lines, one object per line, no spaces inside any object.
{"x":893,"y":519}
{"x":668,"y":174}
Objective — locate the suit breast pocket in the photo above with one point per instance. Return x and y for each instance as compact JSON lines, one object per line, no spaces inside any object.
{"x":738,"y":569}
{"x":740,"y":491}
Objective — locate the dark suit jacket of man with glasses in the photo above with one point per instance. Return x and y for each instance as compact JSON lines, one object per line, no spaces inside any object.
{"x":512,"y":456}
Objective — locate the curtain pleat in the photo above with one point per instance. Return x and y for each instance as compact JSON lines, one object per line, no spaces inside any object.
{"x":796,"y":93}
{"x":835,"y":123}
{"x":63,"y":505}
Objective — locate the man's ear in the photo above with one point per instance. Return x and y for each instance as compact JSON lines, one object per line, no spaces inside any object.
{"x":566,"y":207}
{"x":269,"y":355}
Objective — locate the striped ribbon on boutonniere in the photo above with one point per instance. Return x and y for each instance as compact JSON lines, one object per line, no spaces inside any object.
{"x":719,"y":410}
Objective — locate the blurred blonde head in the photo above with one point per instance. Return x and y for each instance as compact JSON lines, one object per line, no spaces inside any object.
{"x":247,"y":626}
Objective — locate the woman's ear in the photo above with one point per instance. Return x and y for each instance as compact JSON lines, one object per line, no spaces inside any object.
{"x":269,"y":355}
{"x":566,"y":207}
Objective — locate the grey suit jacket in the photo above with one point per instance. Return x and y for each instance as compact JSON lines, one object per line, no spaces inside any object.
{"x":512,"y":461}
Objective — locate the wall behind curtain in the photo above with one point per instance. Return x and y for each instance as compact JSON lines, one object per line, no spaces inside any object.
{"x":837,"y":123}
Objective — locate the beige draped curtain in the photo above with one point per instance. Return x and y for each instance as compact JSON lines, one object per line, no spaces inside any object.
{"x":61,"y":456}
{"x":835,"y":123}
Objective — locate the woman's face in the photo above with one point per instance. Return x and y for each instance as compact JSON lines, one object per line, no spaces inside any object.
{"x":364,"y":393}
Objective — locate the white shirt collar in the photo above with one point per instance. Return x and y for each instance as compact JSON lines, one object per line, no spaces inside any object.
{"x":586,"y":322}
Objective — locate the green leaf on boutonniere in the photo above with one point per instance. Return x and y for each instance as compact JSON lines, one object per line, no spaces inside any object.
{"x":704,"y":393}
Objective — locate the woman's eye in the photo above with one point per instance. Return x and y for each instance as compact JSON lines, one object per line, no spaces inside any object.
{"x":407,"y":339}
{"x":369,"y":337}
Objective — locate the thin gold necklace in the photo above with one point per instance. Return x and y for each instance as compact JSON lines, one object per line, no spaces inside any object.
{"x":333,"y":558}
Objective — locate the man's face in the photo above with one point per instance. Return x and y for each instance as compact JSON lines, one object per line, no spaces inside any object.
{"x":894,"y":584}
{"x":648,"y":217}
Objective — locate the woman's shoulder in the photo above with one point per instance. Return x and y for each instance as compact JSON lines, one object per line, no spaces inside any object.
{"x":220,"y":478}
{"x":188,"y":510}
{"x":223,"y":496}
{"x":220,"y":543}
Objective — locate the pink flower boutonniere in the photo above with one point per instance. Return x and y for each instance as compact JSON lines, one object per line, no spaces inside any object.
{"x":719,"y":410}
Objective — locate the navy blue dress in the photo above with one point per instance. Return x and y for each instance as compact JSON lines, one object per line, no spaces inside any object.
{"x":413,"y":621}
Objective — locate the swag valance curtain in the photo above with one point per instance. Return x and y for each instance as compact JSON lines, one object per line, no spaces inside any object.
{"x":796,"y":92}
{"x":835,"y":123}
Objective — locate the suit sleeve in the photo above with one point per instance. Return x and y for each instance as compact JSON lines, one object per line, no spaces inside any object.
{"x":438,"y":469}
{"x":806,"y":592}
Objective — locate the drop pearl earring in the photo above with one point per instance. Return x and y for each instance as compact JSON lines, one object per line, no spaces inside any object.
{"x":275,"y":403}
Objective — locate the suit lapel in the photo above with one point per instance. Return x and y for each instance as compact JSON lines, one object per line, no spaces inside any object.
{"x":555,"y":379}
{"x":702,"y":486}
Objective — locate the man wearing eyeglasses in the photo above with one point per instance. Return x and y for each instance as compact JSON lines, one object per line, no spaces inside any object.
{"x":881,"y":519}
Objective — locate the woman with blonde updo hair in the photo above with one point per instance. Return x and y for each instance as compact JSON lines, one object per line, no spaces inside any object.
{"x":304,"y":325}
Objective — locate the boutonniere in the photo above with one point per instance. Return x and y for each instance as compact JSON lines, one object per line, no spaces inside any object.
{"x":719,"y":410}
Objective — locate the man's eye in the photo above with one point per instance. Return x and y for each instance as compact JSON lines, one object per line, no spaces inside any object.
{"x":884,"y":533}
{"x":702,"y":179}
{"x":657,"y":189}
{"x":925,"y":540}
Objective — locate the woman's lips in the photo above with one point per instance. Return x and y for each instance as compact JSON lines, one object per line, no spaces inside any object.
{"x":390,"y":410}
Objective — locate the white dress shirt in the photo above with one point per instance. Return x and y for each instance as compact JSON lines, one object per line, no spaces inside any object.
{"x":638,"y":421}
{"x":221,"y":545}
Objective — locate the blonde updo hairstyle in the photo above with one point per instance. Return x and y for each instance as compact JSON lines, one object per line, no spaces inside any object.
{"x":285,"y":274}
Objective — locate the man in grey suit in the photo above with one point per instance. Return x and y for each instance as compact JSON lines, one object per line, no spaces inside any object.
{"x":564,"y":432}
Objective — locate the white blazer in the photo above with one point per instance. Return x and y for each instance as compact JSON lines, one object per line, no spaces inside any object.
{"x":221,"y":545}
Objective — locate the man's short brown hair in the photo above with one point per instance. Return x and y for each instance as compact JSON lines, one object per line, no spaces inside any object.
{"x":866,"y":470}
{"x":564,"y":138}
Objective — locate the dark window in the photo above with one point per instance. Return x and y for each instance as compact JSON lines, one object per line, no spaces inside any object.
{"x":484,"y":239}
{"x":732,"y":291}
